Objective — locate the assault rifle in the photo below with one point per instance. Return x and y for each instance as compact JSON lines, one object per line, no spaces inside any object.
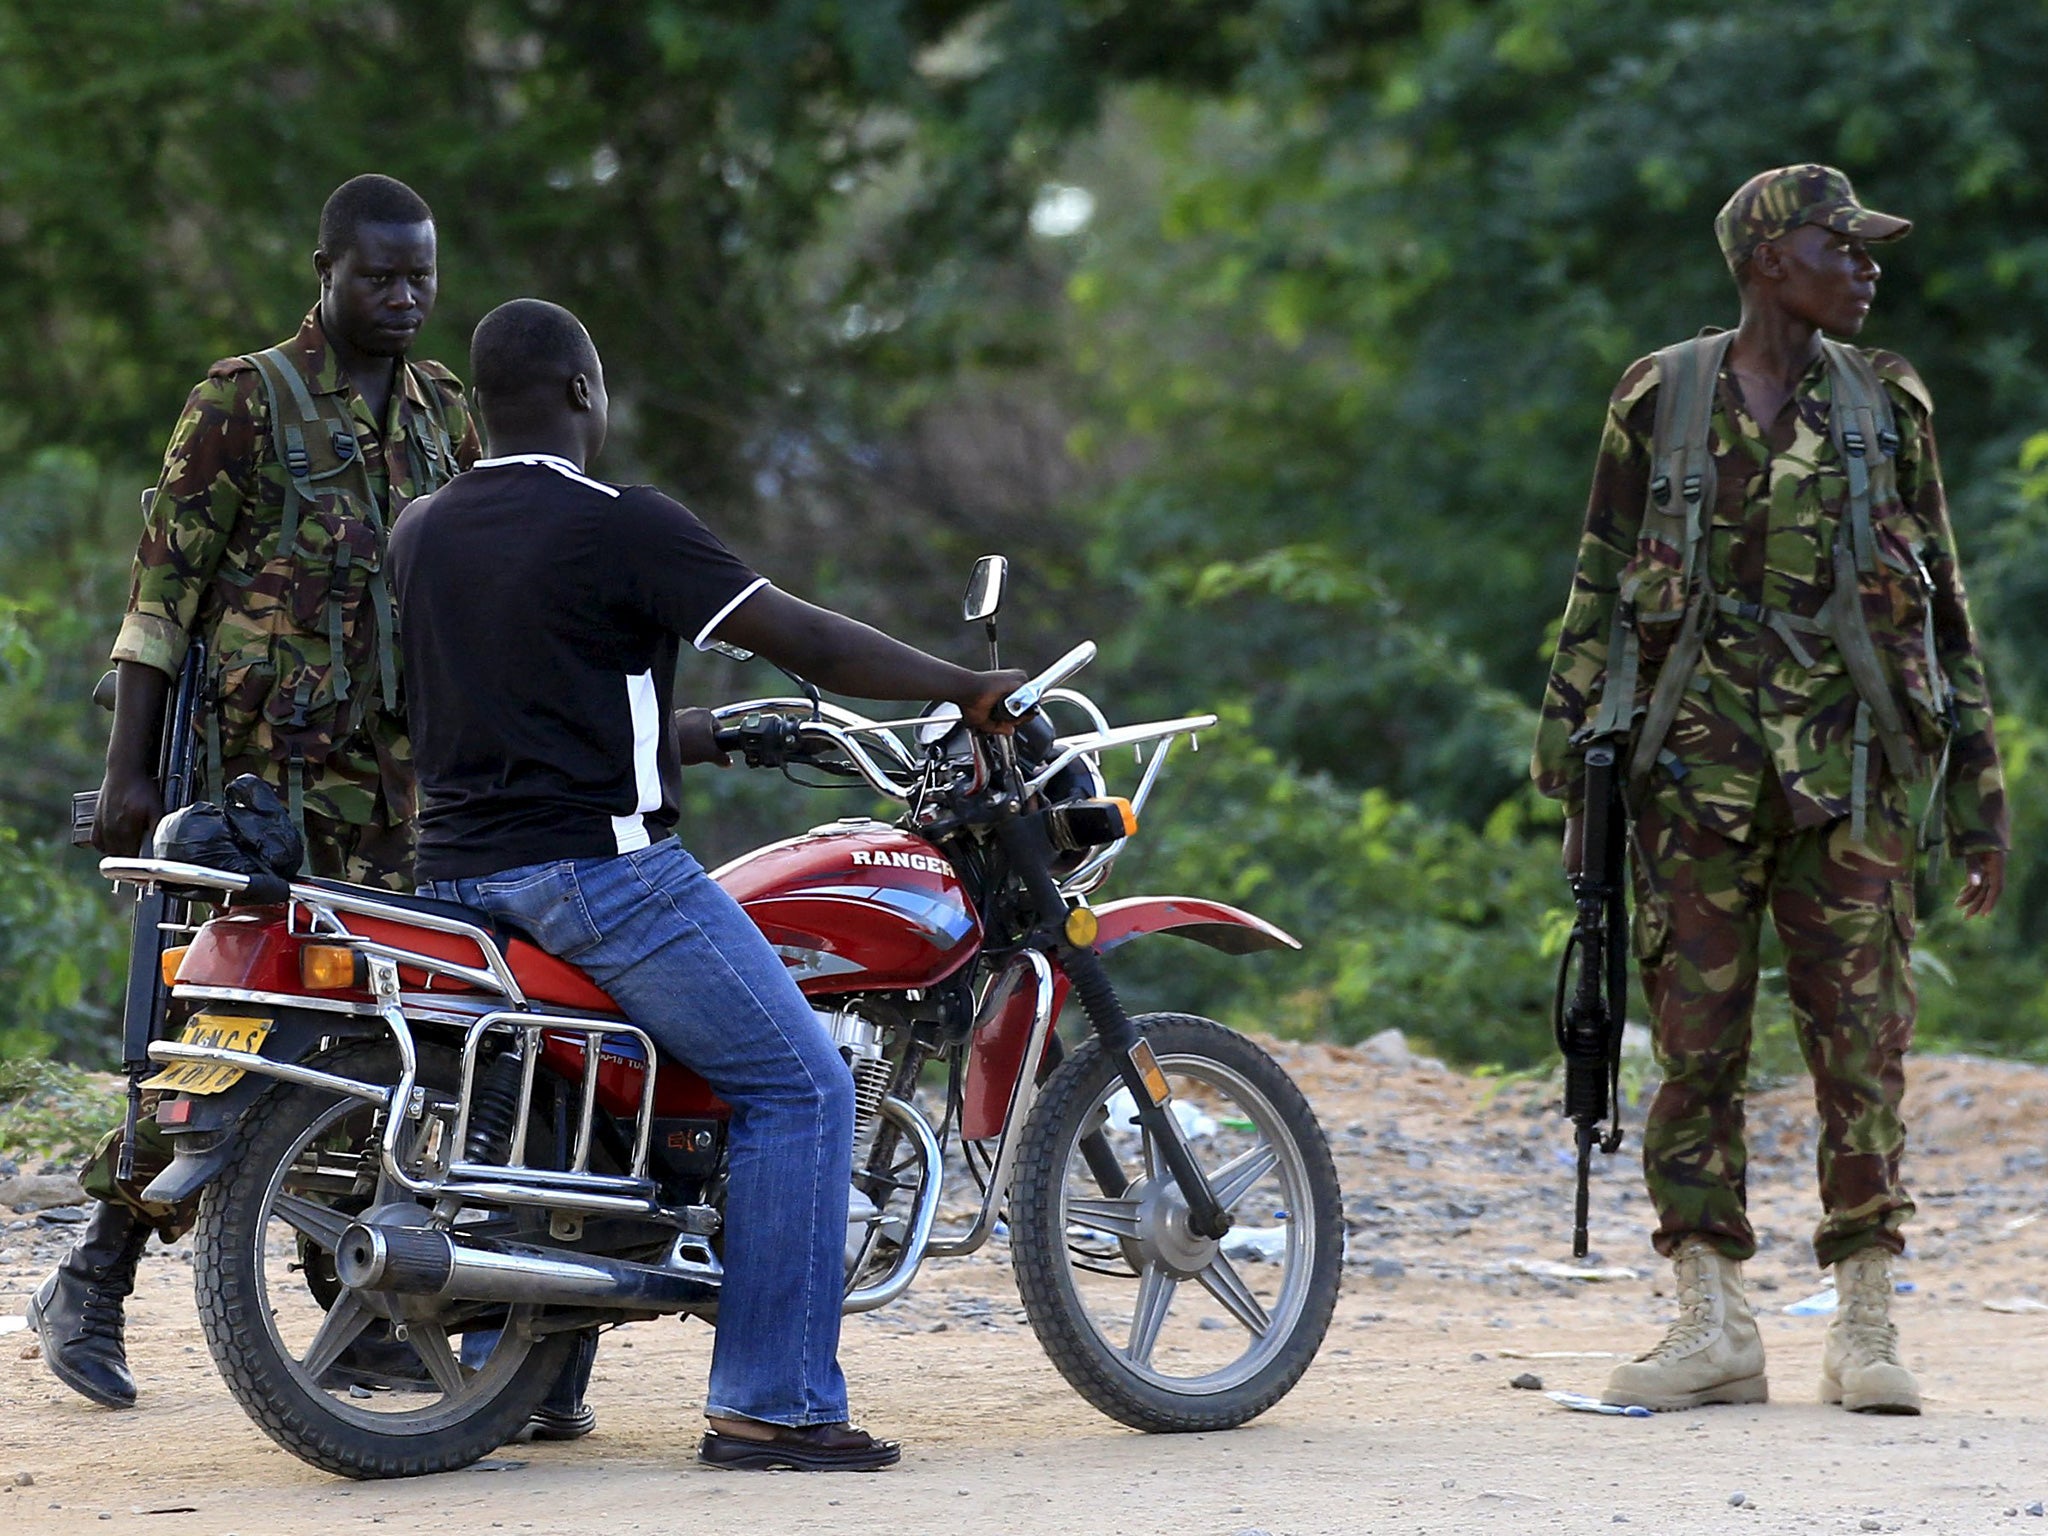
{"x":147,"y":995}
{"x":1590,"y":1014}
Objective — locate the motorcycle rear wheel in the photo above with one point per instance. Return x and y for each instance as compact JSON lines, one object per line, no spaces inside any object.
{"x":276,"y":1321}
{"x":1100,"y":1271}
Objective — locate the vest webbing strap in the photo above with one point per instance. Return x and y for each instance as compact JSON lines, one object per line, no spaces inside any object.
{"x":1679,"y":512}
{"x":1682,"y":488}
{"x":295,"y":801}
{"x":275,"y":369}
{"x":1860,"y":422}
{"x":1787,"y":626}
{"x":281,"y":376}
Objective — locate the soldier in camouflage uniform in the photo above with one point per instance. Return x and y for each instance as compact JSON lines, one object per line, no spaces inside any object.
{"x":265,"y":537}
{"x":1765,"y":791}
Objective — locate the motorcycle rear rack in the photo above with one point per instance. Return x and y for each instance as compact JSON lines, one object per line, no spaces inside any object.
{"x":529,"y":1027}
{"x":512,"y":1183}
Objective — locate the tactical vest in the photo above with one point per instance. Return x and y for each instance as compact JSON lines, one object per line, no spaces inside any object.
{"x":1676,"y":517}
{"x":331,"y":547}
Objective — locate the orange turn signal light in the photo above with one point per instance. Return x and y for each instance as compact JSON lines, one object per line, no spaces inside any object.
{"x":329,"y":967}
{"x":170,"y":960}
{"x":1130,"y":817}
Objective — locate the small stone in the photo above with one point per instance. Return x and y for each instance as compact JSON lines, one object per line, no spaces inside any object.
{"x":1620,"y":1520}
{"x":1870,"y":1523}
{"x":1738,"y":1498}
{"x":1387,"y":1269}
{"x":939,"y":1327}
{"x":1528,"y":1381}
{"x":1963,"y":1444}
{"x":1478,"y":1356}
{"x":24,"y":1479}
{"x":2037,"y":1508}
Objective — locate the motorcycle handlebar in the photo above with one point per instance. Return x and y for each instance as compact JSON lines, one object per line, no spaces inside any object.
{"x":771,"y":741}
{"x":1028,"y":698}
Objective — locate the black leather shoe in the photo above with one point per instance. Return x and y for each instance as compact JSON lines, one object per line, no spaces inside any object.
{"x":815,"y":1448}
{"x":77,"y":1311}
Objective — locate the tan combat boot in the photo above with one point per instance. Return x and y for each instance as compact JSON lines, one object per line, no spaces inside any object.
{"x":1713,"y":1353}
{"x":1860,"y":1367}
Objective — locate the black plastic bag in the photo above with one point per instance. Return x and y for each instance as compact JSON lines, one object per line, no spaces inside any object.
{"x":250,"y":833}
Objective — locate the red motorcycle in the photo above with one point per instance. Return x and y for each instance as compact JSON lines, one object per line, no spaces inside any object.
{"x":425,"y":1141}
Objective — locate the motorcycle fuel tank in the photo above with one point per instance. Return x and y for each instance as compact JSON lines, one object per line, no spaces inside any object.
{"x":857,"y":906}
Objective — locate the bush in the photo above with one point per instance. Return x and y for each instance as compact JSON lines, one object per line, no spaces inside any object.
{"x":1447,"y":933}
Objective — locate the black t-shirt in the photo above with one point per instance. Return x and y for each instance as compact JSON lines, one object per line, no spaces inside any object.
{"x":540,"y":614}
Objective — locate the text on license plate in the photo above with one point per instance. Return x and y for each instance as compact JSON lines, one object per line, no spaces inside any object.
{"x":221,"y":1032}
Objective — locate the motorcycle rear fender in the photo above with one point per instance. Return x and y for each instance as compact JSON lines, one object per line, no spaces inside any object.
{"x":203,"y":1143}
{"x":1220,"y":926}
{"x":996,"y":1055}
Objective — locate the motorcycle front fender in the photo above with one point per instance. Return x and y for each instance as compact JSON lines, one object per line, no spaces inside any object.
{"x":996,"y":1055}
{"x":1214,"y":923}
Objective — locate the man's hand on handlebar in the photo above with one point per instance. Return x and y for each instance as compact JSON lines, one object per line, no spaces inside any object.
{"x":983,"y":710}
{"x":696,"y":737}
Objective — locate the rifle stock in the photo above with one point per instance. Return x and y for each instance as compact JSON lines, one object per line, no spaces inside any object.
{"x":1592,"y":1006}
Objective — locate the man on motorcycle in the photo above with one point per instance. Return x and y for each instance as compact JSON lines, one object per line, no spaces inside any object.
{"x":541,"y":614}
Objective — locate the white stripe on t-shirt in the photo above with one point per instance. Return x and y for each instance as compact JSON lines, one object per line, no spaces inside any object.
{"x":560,"y":466}
{"x":710,"y":631}
{"x":630,"y":832}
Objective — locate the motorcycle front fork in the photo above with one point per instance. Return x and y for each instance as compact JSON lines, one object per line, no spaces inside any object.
{"x":1149,"y":1091}
{"x":1030,"y":854}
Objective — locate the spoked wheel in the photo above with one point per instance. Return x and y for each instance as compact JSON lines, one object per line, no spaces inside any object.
{"x":1157,"y":1327}
{"x":364,"y":1384}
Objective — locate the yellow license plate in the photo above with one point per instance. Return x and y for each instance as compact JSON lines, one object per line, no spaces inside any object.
{"x":222,"y":1032}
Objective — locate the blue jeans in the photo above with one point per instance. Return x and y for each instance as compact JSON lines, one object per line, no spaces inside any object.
{"x":690,"y":968}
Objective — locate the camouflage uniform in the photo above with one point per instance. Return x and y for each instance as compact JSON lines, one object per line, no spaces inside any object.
{"x":1749,"y":804}
{"x":210,"y":564}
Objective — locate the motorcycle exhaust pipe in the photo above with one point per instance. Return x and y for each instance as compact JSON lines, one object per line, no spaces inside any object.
{"x":422,"y":1261}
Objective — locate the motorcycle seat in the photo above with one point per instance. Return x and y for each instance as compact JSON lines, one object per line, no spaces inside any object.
{"x":453,"y":910}
{"x":541,"y":976}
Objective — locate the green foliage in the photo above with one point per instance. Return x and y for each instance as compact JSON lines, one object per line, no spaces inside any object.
{"x":1373,"y":302}
{"x":1292,"y":405}
{"x":1407,"y":921}
{"x":62,"y":955}
{"x":54,"y":1112}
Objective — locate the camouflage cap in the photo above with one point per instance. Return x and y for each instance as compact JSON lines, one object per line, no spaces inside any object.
{"x":1771,"y":204}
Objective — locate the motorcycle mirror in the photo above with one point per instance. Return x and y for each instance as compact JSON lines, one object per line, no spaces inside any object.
{"x":985,"y":588}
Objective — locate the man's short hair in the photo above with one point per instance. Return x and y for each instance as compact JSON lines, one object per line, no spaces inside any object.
{"x":364,"y":200}
{"x":524,"y":346}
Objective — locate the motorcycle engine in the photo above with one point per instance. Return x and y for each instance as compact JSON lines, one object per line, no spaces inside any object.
{"x":860,"y":1046}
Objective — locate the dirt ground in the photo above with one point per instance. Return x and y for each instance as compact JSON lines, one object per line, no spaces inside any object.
{"x":1407,"y":1422}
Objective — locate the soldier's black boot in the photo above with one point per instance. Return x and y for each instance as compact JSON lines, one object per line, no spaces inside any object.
{"x":563,"y":1415}
{"x":77,"y":1311}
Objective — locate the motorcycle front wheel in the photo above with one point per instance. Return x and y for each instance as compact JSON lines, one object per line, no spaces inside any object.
{"x":1158,"y":1328}
{"x":366,"y":1385}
